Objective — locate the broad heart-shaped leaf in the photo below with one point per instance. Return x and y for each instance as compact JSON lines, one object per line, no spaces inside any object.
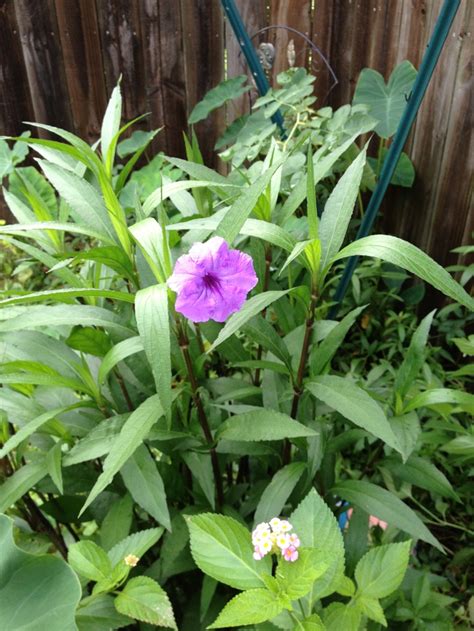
{"x":137,"y":544}
{"x":297,"y":578}
{"x":338,"y":210}
{"x":132,"y":434}
{"x":382,"y":569}
{"x":278,"y":491}
{"x":89,"y":560}
{"x":414,"y":357}
{"x":251,"y":308}
{"x":316,"y":527}
{"x":262,"y":425}
{"x":323,"y":354}
{"x":386,"y":506}
{"x":225,"y":91}
{"x":240,"y":210}
{"x":409,"y":257}
{"x":386,"y":101}
{"x":151,"y":311}
{"x":143,"y":599}
{"x":36,"y":592}
{"x":144,"y":483}
{"x":251,"y":607}
{"x":99,"y":613}
{"x":404,"y":174}
{"x":222,"y":549}
{"x":354,"y":404}
{"x":422,"y":473}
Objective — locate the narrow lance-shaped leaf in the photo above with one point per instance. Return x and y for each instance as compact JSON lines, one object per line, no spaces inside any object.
{"x":311,"y":198}
{"x":149,"y":237}
{"x":278,"y":491}
{"x":151,"y":310}
{"x":409,"y":257}
{"x":414,"y":357}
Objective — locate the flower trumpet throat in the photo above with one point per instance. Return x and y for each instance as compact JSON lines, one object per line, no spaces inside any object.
{"x":212,"y":281}
{"x":275,"y":537}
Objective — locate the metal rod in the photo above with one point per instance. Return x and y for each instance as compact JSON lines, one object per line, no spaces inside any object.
{"x":250,"y":55}
{"x":428,"y":64}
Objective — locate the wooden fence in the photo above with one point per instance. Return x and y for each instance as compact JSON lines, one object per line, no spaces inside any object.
{"x":60,"y":59}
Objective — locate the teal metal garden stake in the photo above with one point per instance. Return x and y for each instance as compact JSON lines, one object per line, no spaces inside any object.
{"x":250,"y":55}
{"x":428,"y":64}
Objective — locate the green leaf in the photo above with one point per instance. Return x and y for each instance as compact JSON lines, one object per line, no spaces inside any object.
{"x":99,"y":613}
{"x":133,"y":432}
{"x":322,"y":166}
{"x":172,"y":190}
{"x":234,"y":219}
{"x":53,"y":464}
{"x":338,"y":210}
{"x":111,"y":122}
{"x":72,"y":228}
{"x":137,"y":544}
{"x":354,"y":404}
{"x":323,"y":354}
{"x":17,"y":319}
{"x":338,"y":616}
{"x":117,"y":523}
{"x":143,"y":599}
{"x":151,"y":311}
{"x":423,"y":474}
{"x":386,"y":506}
{"x":372,"y":609}
{"x":20,"y":483}
{"x":89,"y":560}
{"x":143,"y":480}
{"x":97,"y":442}
{"x":149,"y":237}
{"x":387,"y":101}
{"x":275,"y":495}
{"x":262,"y":425}
{"x":199,"y":171}
{"x":89,"y":340}
{"x":263,"y":333}
{"x":297,"y":578}
{"x":407,"y":429}
{"x":36,"y":592}
{"x":442,"y":395}
{"x":118,"y":353}
{"x":226,"y":91}
{"x":201,"y":467}
{"x":222,"y":549}
{"x":316,"y":527}
{"x":409,"y":257}
{"x":414,"y":357}
{"x":313,"y":623}
{"x":251,"y":607}
{"x":404,"y":174}
{"x":382,"y":569}
{"x":251,"y":308}
{"x":313,"y":220}
{"x":66,"y":295}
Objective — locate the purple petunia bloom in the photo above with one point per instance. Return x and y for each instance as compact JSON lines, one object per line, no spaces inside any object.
{"x":212,"y":281}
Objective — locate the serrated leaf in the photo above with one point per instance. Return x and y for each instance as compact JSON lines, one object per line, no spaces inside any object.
{"x":372,"y":609}
{"x":386,"y":506}
{"x":354,"y":404}
{"x":143,"y":599}
{"x":89,"y":560}
{"x":277,"y":492}
{"x":251,"y":308}
{"x":262,"y":425}
{"x":316,"y":527}
{"x":381,"y":570}
{"x":222,"y":549}
{"x":133,"y":432}
{"x":137,"y":544}
{"x":251,"y":607}
{"x":408,"y":257}
{"x":338,"y":616}
{"x":297,"y":578}
{"x":313,"y":623}
{"x":99,"y":613}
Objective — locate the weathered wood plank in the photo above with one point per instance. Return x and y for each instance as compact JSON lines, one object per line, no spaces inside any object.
{"x":295,"y":15}
{"x":39,"y":37}
{"x":81,"y":47}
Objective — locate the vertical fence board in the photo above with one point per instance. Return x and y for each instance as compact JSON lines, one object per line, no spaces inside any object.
{"x":80,"y":42}
{"x":44,"y":64}
{"x":296,"y":15}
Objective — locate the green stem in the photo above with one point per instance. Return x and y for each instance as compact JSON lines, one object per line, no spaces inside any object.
{"x":266,"y":283}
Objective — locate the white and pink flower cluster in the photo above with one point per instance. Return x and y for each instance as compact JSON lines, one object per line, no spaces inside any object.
{"x":274,"y":537}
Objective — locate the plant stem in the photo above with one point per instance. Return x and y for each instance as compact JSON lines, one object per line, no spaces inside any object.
{"x":298,"y":384}
{"x":266,"y":283}
{"x":41,"y":524}
{"x":202,"y":417}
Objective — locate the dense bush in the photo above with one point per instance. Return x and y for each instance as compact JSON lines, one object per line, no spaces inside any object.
{"x":145,"y":447}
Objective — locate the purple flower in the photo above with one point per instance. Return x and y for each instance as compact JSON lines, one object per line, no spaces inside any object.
{"x":212,"y":281}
